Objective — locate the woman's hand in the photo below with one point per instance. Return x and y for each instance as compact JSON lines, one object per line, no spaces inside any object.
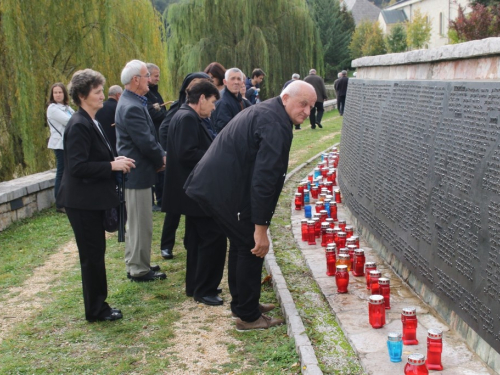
{"x":123,"y":164}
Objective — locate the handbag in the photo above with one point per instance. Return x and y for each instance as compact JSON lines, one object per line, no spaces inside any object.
{"x":110,"y":219}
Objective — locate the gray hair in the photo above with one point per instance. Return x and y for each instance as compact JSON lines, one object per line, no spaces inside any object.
{"x":312,"y":71}
{"x":233,"y":70}
{"x":114,"y":90}
{"x":82,"y":82}
{"x":344,"y":72}
{"x":295,"y":88}
{"x":295,"y":76}
{"x":132,"y":69}
{"x":152,"y":67}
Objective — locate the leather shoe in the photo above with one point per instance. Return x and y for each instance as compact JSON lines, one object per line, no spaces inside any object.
{"x":150,"y":276}
{"x":115,"y":310}
{"x":210,"y":300}
{"x":155,"y":268}
{"x":167,"y":253}
{"x":313,"y":127}
{"x":219,"y":290}
{"x":156,"y":208}
{"x":113,"y":315}
{"x":320,"y":126}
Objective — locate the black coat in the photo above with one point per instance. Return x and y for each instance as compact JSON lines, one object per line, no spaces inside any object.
{"x":341,"y":86}
{"x":106,"y":117}
{"x":157,"y":116}
{"x":242,"y":174}
{"x":88,"y":182}
{"x":228,"y":106}
{"x":188,"y":140}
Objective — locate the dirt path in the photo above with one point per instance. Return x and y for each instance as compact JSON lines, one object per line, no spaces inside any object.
{"x":297,"y":154}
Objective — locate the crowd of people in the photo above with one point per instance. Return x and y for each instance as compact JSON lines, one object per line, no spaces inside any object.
{"x":218,"y":156}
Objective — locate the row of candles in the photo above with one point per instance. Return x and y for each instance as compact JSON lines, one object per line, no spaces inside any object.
{"x":343,"y":255}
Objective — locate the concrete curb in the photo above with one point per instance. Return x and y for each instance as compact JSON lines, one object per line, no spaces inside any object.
{"x":295,"y":326}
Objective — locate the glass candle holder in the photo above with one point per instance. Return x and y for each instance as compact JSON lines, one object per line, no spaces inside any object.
{"x":310,"y":177}
{"x":324,"y":227}
{"x":311,"y":233}
{"x":336,"y":194}
{"x":369,"y":266}
{"x":341,"y":239}
{"x":324,"y":171}
{"x":298,"y":201}
{"x":326,"y":203}
{"x":410,"y":323}
{"x":307,"y":197}
{"x":314,"y":191}
{"x":395,"y":346}
{"x":343,"y":225}
{"x":332,"y":247}
{"x":336,"y":231}
{"x":434,"y":349}
{"x":356,"y":239}
{"x":322,"y":197}
{"x":333,"y":210}
{"x":330,"y":262}
{"x":300,"y":188}
{"x":318,"y":206}
{"x":307,"y":212}
{"x":344,"y":260}
{"x":329,"y":236}
{"x":350,"y":241}
{"x":349,"y":231}
{"x":342,"y":279}
{"x":416,"y":365}
{"x":329,"y":186}
{"x":385,"y":291}
{"x":350,"y":249}
{"x":303,"y":229}
{"x":374,"y":286}
{"x":358,"y":268}
{"x":376,"y":311}
{"x":330,"y":221}
{"x":317,"y":227}
{"x":324,"y":215}
{"x":316,"y":172}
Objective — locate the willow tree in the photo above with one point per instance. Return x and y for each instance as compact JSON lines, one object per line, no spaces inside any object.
{"x":277,"y":36}
{"x":46,"y":41}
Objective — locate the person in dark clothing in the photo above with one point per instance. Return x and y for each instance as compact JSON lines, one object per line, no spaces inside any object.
{"x":106,"y":115}
{"x":319,"y":86}
{"x":231,"y":102}
{"x":188,"y":140}
{"x":238,"y":182}
{"x":341,"y":89}
{"x":253,"y":85}
{"x":295,"y":76}
{"x":157,"y":111}
{"x":171,"y":221}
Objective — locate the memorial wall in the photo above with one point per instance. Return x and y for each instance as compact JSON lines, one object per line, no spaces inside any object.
{"x":420,"y":168}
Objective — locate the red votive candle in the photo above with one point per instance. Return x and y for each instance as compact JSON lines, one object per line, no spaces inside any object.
{"x":311,"y":233}
{"x":324,"y":227}
{"x":298,"y":201}
{"x":333,"y":211}
{"x":416,"y":365}
{"x":369,"y":266}
{"x":342,"y":279}
{"x":330,"y":261}
{"x":303,"y":229}
{"x":336,"y":194}
{"x":376,"y":311}
{"x":349,"y":230}
{"x":374,"y":286}
{"x":341,"y":239}
{"x":434,"y":349}
{"x":359,"y":263}
{"x":385,"y":291}
{"x":410,"y":323}
{"x":342,"y":225}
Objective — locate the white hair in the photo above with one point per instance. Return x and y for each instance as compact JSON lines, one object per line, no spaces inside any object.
{"x":152,"y":67}
{"x":232,"y":70}
{"x":115,"y":89}
{"x":295,"y":88}
{"x":312,"y":71}
{"x":295,"y":76}
{"x":132,"y":69}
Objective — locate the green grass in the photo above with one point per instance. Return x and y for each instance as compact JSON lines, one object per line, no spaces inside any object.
{"x":57,"y":339}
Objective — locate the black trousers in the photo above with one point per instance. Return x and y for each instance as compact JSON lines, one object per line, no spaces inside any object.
{"x":170,"y":225}
{"x":312,"y":116}
{"x":206,"y":245}
{"x":341,"y":104}
{"x":244,"y":269}
{"x":158,"y":188}
{"x":90,"y":239}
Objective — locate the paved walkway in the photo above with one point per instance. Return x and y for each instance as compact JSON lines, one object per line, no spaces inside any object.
{"x":351,"y":310}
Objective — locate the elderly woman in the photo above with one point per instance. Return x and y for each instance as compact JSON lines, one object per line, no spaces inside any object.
{"x":58,"y":115}
{"x":88,"y":188}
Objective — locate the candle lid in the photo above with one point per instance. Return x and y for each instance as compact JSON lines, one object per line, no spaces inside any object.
{"x":384,"y":281}
{"x":325,"y":225}
{"x":355,"y":237}
{"x":375,"y":273}
{"x":350,"y":241}
{"x":306,"y":190}
{"x":342,"y":221}
{"x":333,"y":204}
{"x":336,"y":190}
{"x":331,"y":246}
{"x":434,"y":333}
{"x":329,"y":220}
{"x":304,"y":221}
{"x":342,"y":268}
{"x":329,"y":230}
{"x":310,"y":222}
{"x":409,"y":311}
{"x":319,"y":203}
{"x":359,"y":252}
{"x":317,"y":215}
{"x":341,"y":234}
{"x":416,"y":359}
{"x":330,"y":249}
{"x":315,"y":219}
{"x":394,"y":336}
{"x":376,"y":299}
{"x":349,"y":227}
{"x":352,"y":247}
{"x":344,"y":256}
{"x":323,"y":212}
{"x":343,"y":250}
{"x":298,"y":194}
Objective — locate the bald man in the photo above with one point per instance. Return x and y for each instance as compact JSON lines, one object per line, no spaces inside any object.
{"x":238,"y":182}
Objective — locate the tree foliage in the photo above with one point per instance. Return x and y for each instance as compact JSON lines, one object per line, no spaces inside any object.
{"x":336,"y":26}
{"x":42,"y":42}
{"x":278,"y":36}
{"x":485,"y":2}
{"x":418,"y":32}
{"x":396,"y":40}
{"x":482,"y":22}
{"x":367,"y":40}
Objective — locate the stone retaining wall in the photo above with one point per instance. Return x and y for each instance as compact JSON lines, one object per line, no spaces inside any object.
{"x":22,"y":197}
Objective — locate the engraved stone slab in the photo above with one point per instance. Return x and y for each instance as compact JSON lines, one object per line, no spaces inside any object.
{"x":420,"y":167}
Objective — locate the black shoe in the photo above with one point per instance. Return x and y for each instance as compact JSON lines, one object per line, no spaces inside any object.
{"x":297,"y":127}
{"x":319,"y":125}
{"x":313,"y":127}
{"x":150,"y":276}
{"x":167,"y":254}
{"x":116,"y":310}
{"x":219,"y":290}
{"x":152,"y":268}
{"x":210,"y":300}
{"x":156,"y":208}
{"x":113,"y":315}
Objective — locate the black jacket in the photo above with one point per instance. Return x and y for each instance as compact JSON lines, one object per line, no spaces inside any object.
{"x":88,"y":182}
{"x":188,"y":140}
{"x":228,"y":106}
{"x":154,"y":97}
{"x":242,"y":174}
{"x":106,"y":117}
{"x":341,"y":86}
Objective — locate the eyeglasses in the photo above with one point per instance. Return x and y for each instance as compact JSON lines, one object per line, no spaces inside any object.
{"x":144,"y":76}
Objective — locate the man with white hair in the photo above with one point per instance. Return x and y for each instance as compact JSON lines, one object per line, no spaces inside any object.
{"x":238,"y":182}
{"x":138,"y":140}
{"x":319,"y":85}
{"x":231,"y":102}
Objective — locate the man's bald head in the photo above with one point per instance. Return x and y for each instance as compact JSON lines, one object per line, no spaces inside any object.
{"x":298,"y":98}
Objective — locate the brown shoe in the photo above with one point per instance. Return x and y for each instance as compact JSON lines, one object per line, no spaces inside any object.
{"x":264,"y":322}
{"x":263,"y":308}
